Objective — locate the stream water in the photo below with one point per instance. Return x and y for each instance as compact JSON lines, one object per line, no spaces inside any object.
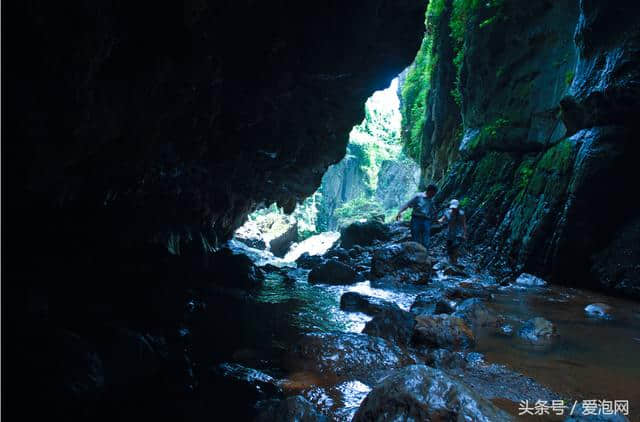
{"x":593,"y":357}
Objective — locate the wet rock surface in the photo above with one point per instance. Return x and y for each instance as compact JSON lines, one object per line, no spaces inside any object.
{"x":538,"y":331}
{"x":356,"y":302}
{"x":332,"y":272}
{"x":419,"y":393}
{"x":406,"y":262}
{"x":348,"y":356}
{"x":443,"y":331}
{"x":364,"y":234}
{"x":294,"y":408}
{"x":392,"y":324}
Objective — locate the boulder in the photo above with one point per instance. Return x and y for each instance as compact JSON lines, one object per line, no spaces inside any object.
{"x":538,"y":331}
{"x":392,"y":324}
{"x":530,"y":280}
{"x":309,"y":261}
{"x":236,"y":388}
{"x":421,"y":393}
{"x":432,"y":303}
{"x":234,"y":270}
{"x":356,"y":302}
{"x":476,"y":314}
{"x":340,"y":254}
{"x":598,"y":310}
{"x":294,"y":408}
{"x":332,"y":272}
{"x":364,"y":234}
{"x":280,"y":243}
{"x":404,"y":262}
{"x":249,"y":234}
{"x":442,"y":331}
{"x":346,"y":356}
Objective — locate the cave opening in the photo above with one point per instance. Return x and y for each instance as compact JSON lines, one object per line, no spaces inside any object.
{"x":138,"y":140}
{"x":373,"y":180}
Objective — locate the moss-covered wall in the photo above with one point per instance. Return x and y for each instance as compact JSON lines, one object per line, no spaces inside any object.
{"x":502,"y":128}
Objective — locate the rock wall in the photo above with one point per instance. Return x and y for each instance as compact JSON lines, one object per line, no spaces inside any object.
{"x":341,"y":183}
{"x":397,"y":182}
{"x":539,"y":145}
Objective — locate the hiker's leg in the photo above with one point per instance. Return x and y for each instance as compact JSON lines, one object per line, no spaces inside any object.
{"x":450,"y":250}
{"x":415,"y":229}
{"x":426,"y":234}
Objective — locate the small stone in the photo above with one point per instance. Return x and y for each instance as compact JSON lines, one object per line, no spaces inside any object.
{"x":530,"y":280}
{"x":599,"y":310}
{"x":538,"y":331}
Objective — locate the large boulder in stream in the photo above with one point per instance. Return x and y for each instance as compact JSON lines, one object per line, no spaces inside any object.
{"x":407,"y":262}
{"x":347,"y":356}
{"x":294,"y":408}
{"x":420,"y":393}
{"x":364,"y":234}
{"x":392,"y":324}
{"x":332,"y":272}
{"x":442,"y":331}
{"x":234,"y":270}
{"x":475,"y":313}
{"x":356,"y":302}
{"x":309,"y":261}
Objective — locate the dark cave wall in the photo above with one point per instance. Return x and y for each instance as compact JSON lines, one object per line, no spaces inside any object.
{"x":174,"y":120}
{"x":544,"y":142}
{"x":135,"y":129}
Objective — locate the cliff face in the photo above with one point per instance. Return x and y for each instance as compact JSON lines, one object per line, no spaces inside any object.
{"x":341,"y":183}
{"x":542,"y":94}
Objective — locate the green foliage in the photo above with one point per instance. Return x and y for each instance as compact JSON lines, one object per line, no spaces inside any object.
{"x":464,"y":202}
{"x":361,"y":208}
{"x":434,"y":9}
{"x":568,"y":77}
{"x":524,"y":173}
{"x":414,"y":97}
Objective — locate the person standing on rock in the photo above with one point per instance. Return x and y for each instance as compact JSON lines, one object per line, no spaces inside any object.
{"x":457,"y":223}
{"x":424,"y":213}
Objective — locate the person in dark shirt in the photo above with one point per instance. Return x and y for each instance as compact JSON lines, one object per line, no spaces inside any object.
{"x":424,"y":213}
{"x":457,"y":225}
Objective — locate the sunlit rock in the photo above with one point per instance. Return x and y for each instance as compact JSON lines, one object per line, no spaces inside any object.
{"x":599,"y":310}
{"x":530,"y":280}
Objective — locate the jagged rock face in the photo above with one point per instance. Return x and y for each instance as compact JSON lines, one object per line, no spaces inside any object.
{"x":545,"y":149}
{"x":341,"y":183}
{"x":397,"y":182}
{"x":170,"y":122}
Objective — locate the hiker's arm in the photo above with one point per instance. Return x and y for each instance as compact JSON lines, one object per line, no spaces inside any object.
{"x":404,"y":207}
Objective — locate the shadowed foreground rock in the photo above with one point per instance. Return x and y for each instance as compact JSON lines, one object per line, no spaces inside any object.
{"x":295,"y":408}
{"x":420,"y":393}
{"x":347,"y":355}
